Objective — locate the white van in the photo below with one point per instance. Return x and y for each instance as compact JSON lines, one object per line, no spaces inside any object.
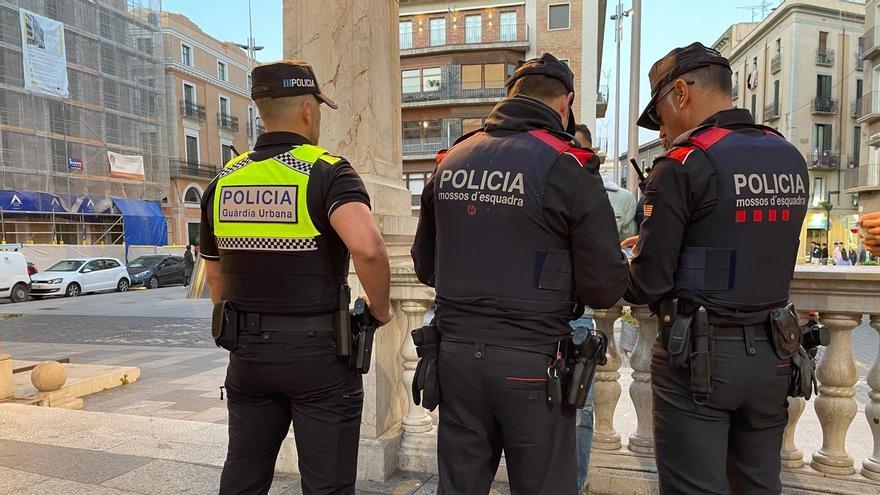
{"x":15,"y":283}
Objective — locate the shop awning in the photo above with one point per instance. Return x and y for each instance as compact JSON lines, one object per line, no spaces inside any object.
{"x":143,"y":221}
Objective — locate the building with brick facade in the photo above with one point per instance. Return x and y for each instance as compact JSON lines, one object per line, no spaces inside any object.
{"x":456,"y":56}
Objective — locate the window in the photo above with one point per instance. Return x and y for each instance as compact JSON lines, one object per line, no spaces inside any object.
{"x":406,"y":34}
{"x":558,"y":16}
{"x":494,"y":75}
{"x":411,"y":81}
{"x":415,"y":182}
{"x":778,"y":46}
{"x":471,"y":76}
{"x":192,"y":233}
{"x":776,"y":94}
{"x":473,"y":28}
{"x":189,"y":94}
{"x":249,"y":82}
{"x":224,"y":106}
{"x":511,"y":68}
{"x":186,"y":55}
{"x":111,"y":264}
{"x":822,"y":139}
{"x":470,"y":125}
{"x":823,"y":41}
{"x":823,"y":87}
{"x":422,"y":130}
{"x":438,"y":31}
{"x":857,"y":146}
{"x":192,"y":149}
{"x":431,"y":79}
{"x":818,"y":191}
{"x":226,"y":153}
{"x":221,"y":71}
{"x":508,"y":26}
{"x":754,"y":107}
{"x":192,"y":196}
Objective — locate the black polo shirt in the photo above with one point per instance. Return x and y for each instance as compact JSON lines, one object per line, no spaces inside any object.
{"x":288,"y":282}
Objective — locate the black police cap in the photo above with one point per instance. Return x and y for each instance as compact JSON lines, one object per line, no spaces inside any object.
{"x":546,"y":65}
{"x":669,"y":68}
{"x":286,"y":78}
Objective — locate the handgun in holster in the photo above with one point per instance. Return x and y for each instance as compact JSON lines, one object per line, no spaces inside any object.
{"x":583,"y":359}
{"x":800,"y":344}
{"x":426,"y":381}
{"x":363,"y":330}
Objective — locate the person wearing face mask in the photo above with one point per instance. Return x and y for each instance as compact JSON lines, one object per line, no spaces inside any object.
{"x":725,"y":190}
{"x":516,"y":234}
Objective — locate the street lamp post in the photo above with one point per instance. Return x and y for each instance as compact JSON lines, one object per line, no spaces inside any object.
{"x":618,"y":37}
{"x":251,"y":55}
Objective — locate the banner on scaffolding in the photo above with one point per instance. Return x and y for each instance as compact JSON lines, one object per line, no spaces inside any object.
{"x":126,"y":166}
{"x":43,"y":54}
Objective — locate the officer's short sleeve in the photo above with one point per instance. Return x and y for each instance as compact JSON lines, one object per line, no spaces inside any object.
{"x":331,"y":186}
{"x":207,"y":241}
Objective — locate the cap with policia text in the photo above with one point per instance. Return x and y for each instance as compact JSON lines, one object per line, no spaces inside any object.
{"x":286,"y":78}
{"x":550,"y":66}
{"x":671,"y":67}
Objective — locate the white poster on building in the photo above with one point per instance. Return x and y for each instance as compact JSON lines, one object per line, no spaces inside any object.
{"x":43,"y":54}
{"x":126,"y":166}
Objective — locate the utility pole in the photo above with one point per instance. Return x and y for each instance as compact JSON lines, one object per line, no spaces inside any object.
{"x":618,"y":38}
{"x":632,"y":181}
{"x":251,"y":55}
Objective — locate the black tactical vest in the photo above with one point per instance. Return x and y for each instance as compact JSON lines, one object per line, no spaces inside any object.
{"x":741,"y":256}
{"x":495,"y":254}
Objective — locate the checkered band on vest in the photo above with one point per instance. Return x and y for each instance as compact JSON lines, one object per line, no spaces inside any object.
{"x":294,"y":163}
{"x":267,"y":244}
{"x":244,"y":162}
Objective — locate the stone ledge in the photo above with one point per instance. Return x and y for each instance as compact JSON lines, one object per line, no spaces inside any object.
{"x":82,"y":380}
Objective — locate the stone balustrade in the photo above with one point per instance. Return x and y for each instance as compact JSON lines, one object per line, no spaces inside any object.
{"x":840,"y":295}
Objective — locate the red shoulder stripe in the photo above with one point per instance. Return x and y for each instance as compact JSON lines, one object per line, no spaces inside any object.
{"x":550,"y":140}
{"x":580,"y":154}
{"x":680,"y":153}
{"x":440,"y":156}
{"x":706,"y":139}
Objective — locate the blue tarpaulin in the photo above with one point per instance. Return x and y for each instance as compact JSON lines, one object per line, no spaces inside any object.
{"x":144,"y":222}
{"x":31,"y":201}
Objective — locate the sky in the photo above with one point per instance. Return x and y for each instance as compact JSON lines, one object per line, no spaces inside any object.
{"x":666,"y":24}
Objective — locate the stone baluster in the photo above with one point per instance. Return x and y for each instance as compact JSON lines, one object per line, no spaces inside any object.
{"x":835,"y":405}
{"x":792,"y":458}
{"x":417,"y":419}
{"x":607,"y":385}
{"x":871,"y":466}
{"x":642,"y":441}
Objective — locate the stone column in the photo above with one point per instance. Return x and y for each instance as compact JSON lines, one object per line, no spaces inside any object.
{"x":642,"y":441}
{"x":871,"y":465}
{"x":7,"y":384}
{"x":835,"y":405}
{"x":354,"y":49}
{"x":607,"y":385}
{"x":792,"y":457}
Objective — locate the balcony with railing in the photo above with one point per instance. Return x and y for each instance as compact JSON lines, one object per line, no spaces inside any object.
{"x":771,"y":111}
{"x":862,"y":178}
{"x":426,"y":147}
{"x":825,"y":160}
{"x":226,"y":121}
{"x":776,"y":63}
{"x":872,"y":43}
{"x":452,"y":94}
{"x":192,"y":110}
{"x":424,"y":40}
{"x":823,"y":105}
{"x":824,"y":57}
{"x":869,"y":107}
{"x":827,"y":444}
{"x":180,"y":167}
{"x":860,"y":62}
{"x":855,"y":109}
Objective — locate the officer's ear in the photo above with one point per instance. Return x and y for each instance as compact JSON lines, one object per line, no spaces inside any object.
{"x":682,"y":92}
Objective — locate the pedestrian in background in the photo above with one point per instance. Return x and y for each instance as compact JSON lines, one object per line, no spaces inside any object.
{"x":823,"y":260}
{"x":188,"y":263}
{"x":853,"y":257}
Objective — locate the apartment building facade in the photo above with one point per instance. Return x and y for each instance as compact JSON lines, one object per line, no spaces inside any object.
{"x":456,"y":56}
{"x":864,"y":180}
{"x":800,"y":72}
{"x":59,"y":146}
{"x":210,"y":116}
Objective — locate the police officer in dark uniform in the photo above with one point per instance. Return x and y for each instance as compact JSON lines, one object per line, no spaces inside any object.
{"x":724,"y":191}
{"x":516,"y":234}
{"x":278,"y":224}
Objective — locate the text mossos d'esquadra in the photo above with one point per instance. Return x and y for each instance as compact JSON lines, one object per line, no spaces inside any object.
{"x":487,"y":186}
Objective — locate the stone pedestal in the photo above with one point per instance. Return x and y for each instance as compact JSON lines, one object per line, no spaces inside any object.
{"x":7,"y":385}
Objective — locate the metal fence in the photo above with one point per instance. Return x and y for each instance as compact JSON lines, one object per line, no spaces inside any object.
{"x":186,"y":168}
{"x":453,"y":34}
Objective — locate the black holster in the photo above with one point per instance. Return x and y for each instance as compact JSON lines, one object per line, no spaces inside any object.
{"x":803,"y":375}
{"x":363,"y":329}
{"x":426,"y":381}
{"x":224,"y":325}
{"x":582,"y":360}
{"x":701,"y":358}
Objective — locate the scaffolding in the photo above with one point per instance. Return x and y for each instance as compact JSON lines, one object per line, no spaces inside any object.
{"x":116,"y":79}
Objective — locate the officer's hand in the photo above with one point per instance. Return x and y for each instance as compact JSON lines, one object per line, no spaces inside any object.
{"x":381,"y":316}
{"x":631,"y":243}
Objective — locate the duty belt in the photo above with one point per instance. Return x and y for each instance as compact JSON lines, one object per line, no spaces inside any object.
{"x":255,"y":323}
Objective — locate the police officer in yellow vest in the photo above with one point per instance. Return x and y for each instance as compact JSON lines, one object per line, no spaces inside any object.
{"x":278,"y":224}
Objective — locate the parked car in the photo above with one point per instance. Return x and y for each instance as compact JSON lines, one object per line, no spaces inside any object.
{"x":76,"y":276}
{"x":32,"y":268}
{"x":14,"y":279}
{"x":156,"y":270}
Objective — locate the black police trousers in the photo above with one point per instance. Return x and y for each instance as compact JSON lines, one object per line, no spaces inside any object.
{"x":494,"y":399}
{"x":281,"y":377}
{"x":731,"y":444}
